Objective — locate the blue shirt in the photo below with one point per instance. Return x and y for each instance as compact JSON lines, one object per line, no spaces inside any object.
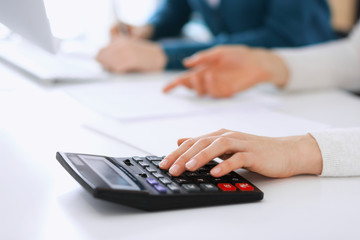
{"x":256,"y":23}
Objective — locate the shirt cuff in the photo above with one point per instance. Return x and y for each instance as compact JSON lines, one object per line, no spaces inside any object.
{"x":340,"y":150}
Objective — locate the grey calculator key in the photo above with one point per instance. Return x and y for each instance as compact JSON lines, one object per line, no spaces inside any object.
{"x":181,"y":180}
{"x":143,"y":164}
{"x":154,"y":158}
{"x":165,"y":180}
{"x":150,"y":169}
{"x":191,"y":187}
{"x":173,"y":188}
{"x":156,"y":163}
{"x":158,"y":175}
{"x":138,"y":158}
{"x":208,"y":187}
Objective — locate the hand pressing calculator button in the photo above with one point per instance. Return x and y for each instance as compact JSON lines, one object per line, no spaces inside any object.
{"x":139,"y":182}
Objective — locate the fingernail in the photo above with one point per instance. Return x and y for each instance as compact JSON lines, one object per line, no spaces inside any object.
{"x":164,"y":163}
{"x":215,"y":171}
{"x":191,"y":164}
{"x":174,"y":170}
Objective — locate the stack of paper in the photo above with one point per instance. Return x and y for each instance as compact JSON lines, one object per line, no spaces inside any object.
{"x":143,"y":99}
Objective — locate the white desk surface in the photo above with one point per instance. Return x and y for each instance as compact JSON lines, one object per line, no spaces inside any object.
{"x":39,"y":199}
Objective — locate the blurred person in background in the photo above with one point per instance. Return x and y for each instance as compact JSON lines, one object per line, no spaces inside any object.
{"x":256,"y":23}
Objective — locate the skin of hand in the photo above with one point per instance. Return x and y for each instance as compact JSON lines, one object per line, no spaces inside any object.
{"x":137,"y":32}
{"x":273,"y":157}
{"x":224,"y":71}
{"x":125,"y":54}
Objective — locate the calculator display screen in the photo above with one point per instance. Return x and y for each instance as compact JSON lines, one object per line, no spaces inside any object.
{"x":109,"y":173}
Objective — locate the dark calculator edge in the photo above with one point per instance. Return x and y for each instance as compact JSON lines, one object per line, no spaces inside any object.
{"x":154,"y":189}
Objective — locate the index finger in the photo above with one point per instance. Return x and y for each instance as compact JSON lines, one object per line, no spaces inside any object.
{"x":180,"y":81}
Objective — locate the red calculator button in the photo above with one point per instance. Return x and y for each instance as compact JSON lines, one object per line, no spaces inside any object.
{"x":227,"y":187}
{"x":244,"y":187}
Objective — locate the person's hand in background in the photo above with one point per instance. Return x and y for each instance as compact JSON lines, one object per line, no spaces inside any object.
{"x":226,"y":70}
{"x":137,"y":32}
{"x":273,"y":157}
{"x":124,"y":54}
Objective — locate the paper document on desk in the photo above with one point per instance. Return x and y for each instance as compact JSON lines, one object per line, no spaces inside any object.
{"x":137,"y":99}
{"x":159,"y":136}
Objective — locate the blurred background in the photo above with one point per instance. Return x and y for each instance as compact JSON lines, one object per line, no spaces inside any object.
{"x":90,"y":19}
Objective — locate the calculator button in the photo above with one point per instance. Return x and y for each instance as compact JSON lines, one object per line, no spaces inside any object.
{"x":218,"y":180}
{"x":181,"y":180}
{"x":200,"y":180}
{"x":207,"y":174}
{"x":158,"y":175}
{"x":143,"y":164}
{"x":191,"y":174}
{"x":203,"y":169}
{"x":191,"y":187}
{"x":210,"y":165}
{"x":227,"y":187}
{"x":244,"y":187}
{"x":160,"y":188}
{"x":235,"y":179}
{"x":165,"y":180}
{"x":150,"y":169}
{"x":153,"y":158}
{"x":138,"y":159}
{"x":169,"y":174}
{"x":152,"y":181}
{"x":156,"y":163}
{"x":208,"y":187}
{"x":173,"y":188}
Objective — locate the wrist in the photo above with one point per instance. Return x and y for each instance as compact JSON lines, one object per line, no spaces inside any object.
{"x":162,"y":59}
{"x":275,"y":67}
{"x":147,"y":31}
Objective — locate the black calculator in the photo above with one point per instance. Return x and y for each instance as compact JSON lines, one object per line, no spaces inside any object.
{"x":139,"y":182}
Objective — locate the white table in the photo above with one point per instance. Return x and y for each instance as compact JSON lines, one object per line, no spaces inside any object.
{"x":39,"y":200}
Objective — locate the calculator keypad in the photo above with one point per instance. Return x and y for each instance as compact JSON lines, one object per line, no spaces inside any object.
{"x":192,"y":182}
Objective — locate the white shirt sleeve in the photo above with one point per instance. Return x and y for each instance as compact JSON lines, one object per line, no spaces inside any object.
{"x":328,"y":65}
{"x":340,"y":150}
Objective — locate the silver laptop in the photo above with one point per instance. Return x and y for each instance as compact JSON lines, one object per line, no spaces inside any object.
{"x":39,"y":55}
